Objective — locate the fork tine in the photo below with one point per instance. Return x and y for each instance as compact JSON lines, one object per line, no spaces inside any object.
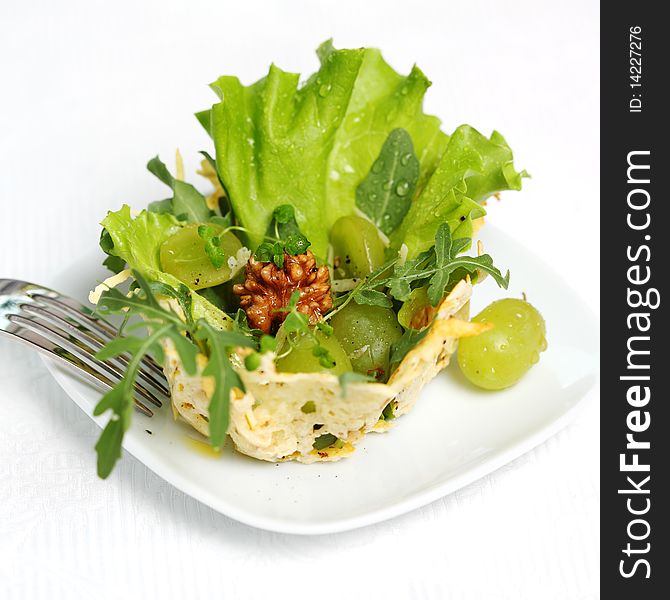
{"x":97,"y":326}
{"x":68,"y":360}
{"x":81,"y":351}
{"x":84,"y":335}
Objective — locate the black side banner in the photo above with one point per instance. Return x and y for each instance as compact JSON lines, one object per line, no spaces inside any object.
{"x":635,"y":426}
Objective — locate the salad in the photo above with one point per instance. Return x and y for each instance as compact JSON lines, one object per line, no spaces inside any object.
{"x":326,"y":278}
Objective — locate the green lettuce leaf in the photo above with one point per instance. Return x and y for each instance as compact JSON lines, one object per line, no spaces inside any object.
{"x":471,"y":169}
{"x":311,"y":145}
{"x":137,"y":241}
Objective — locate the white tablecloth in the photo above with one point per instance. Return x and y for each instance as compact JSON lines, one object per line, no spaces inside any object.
{"x":90,"y":91}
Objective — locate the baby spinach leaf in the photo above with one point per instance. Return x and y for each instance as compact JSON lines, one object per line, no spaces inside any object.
{"x":386,"y":193}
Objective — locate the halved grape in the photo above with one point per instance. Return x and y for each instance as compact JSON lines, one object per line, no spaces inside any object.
{"x":499,"y":357}
{"x":183,"y":255}
{"x":301,"y":358}
{"x":366,"y":334}
{"x":357,"y":247}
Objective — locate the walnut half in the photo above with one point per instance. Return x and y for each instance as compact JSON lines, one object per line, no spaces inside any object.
{"x":268,"y":288}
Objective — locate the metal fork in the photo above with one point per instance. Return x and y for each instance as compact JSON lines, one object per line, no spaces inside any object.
{"x":69,"y":332}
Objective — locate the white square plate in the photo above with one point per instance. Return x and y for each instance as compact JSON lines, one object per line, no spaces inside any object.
{"x":455,"y":434}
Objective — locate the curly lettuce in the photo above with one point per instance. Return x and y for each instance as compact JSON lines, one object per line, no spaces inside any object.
{"x":472,"y":168}
{"x":137,"y":242}
{"x":278,"y":142}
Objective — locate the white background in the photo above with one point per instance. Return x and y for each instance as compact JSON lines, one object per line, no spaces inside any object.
{"x":89,"y":90}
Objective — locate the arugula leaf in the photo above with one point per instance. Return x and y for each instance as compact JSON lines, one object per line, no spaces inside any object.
{"x":403,"y":275}
{"x":284,"y":229}
{"x":311,"y":145}
{"x":187,"y":203}
{"x":241,"y":325}
{"x":225,"y":377}
{"x":181,"y":294}
{"x":446,"y":263}
{"x":439,"y":267}
{"x":386,"y":192}
{"x":367,"y":291}
{"x":113,"y":301}
{"x":157,"y":167}
{"x":162,"y":324}
{"x":120,"y":398}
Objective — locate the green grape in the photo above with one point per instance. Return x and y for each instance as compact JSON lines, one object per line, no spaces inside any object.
{"x":366,"y":333}
{"x":410,"y":310}
{"x":356,"y":246}
{"x":499,"y":357}
{"x":183,"y":255}
{"x":301,"y":358}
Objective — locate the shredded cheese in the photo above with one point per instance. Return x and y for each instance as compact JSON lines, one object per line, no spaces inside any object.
{"x":179,"y":167}
{"x":402,"y":254}
{"x":108,"y":284}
